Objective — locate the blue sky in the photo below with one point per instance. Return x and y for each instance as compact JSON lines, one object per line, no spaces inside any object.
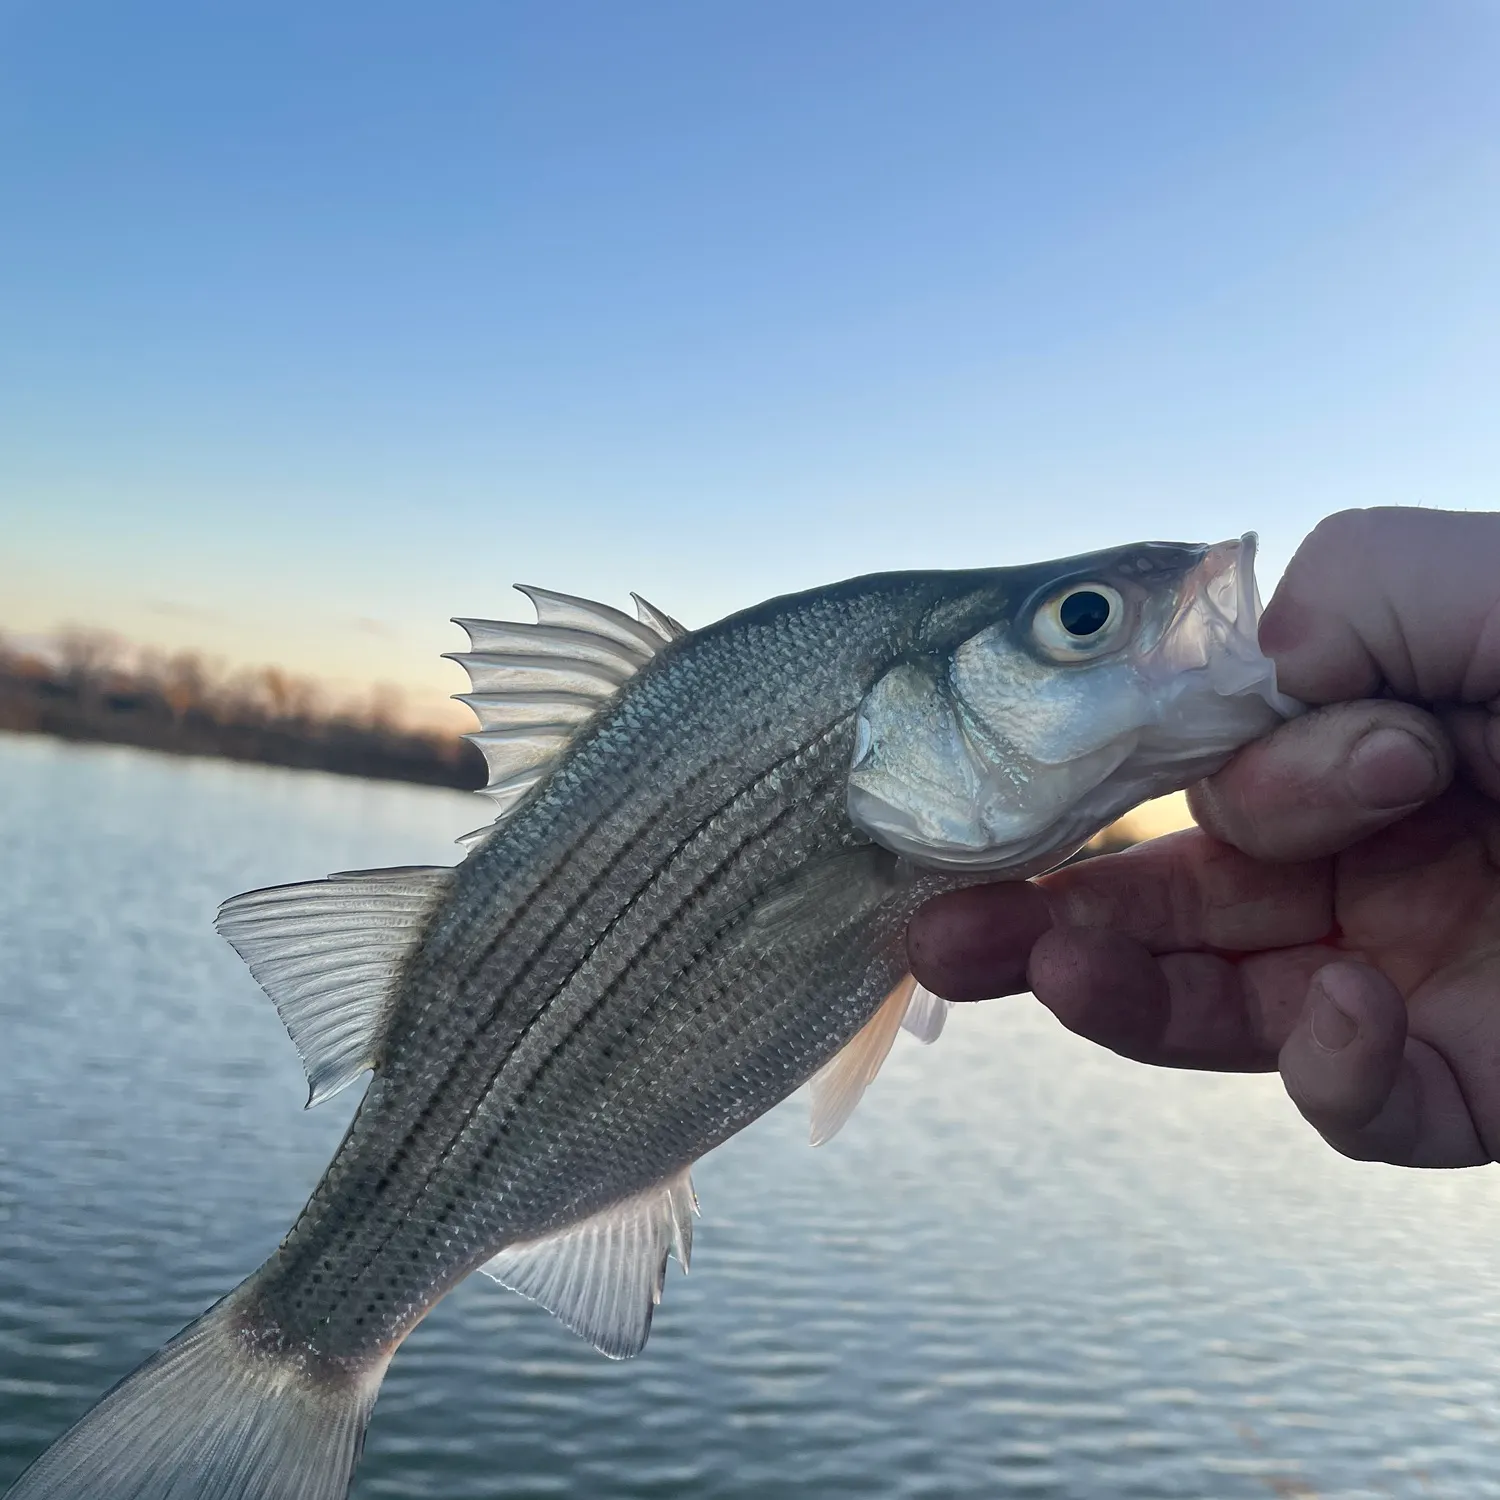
{"x":320,"y":324}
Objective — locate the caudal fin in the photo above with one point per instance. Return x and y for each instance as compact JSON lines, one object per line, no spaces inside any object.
{"x":215,"y":1415}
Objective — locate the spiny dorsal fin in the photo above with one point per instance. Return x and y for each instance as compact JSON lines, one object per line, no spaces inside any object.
{"x":663,"y":624}
{"x":569,"y":610}
{"x":535,"y":685}
{"x":328,"y":953}
{"x":838,"y":1087}
{"x":603,"y":1276}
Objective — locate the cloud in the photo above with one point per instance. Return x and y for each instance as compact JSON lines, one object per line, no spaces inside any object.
{"x":174,"y":610}
{"x":367,"y":626}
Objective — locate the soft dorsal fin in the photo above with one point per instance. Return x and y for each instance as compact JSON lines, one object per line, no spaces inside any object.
{"x":603,"y":1276}
{"x":838,"y":1087}
{"x":535,"y":685}
{"x":328,"y":953}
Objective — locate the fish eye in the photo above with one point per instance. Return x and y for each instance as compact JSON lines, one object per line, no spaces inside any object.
{"x":1081,"y":621}
{"x":1084,"y":612}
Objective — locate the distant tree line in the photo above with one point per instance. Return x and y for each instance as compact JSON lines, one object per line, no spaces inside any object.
{"x":93,"y":686}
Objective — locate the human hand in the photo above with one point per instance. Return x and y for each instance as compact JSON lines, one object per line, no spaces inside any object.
{"x":1338,"y":914}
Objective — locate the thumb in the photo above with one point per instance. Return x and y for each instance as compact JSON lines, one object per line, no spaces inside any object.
{"x":1322,"y":782}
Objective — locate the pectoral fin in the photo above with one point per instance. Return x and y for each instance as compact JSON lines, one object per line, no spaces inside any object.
{"x":925,"y":1016}
{"x":840,"y":1084}
{"x":825,"y":895}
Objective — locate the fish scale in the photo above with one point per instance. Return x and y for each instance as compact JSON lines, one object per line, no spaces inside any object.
{"x":520,"y":1189}
{"x":640,"y":833}
{"x":693,"y":901}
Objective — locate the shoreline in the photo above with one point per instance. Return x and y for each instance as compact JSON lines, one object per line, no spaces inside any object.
{"x":109,"y":706}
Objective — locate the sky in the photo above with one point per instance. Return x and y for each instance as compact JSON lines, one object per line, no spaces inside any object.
{"x":320,"y":324}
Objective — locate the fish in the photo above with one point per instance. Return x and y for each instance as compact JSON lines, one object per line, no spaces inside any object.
{"x":691,"y":902}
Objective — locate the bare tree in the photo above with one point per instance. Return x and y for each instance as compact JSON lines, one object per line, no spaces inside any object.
{"x":184,"y":684}
{"x":386,"y":708}
{"x":92,"y":685}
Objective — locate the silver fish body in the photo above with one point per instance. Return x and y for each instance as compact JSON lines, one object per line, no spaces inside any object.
{"x":698,"y":902}
{"x":610,"y":951}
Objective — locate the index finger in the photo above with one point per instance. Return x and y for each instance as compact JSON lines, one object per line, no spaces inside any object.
{"x":1184,"y":952}
{"x":1183,"y":893}
{"x":1182,"y":1010}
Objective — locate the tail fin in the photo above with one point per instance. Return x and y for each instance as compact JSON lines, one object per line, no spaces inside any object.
{"x":215,"y":1415}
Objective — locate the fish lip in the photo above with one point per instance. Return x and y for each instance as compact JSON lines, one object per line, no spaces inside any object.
{"x":1237,"y":558}
{"x":1218,"y":606}
{"x":1213,"y":637}
{"x":1224,"y":582}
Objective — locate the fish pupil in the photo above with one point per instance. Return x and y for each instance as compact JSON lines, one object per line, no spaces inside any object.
{"x":1084,"y":613}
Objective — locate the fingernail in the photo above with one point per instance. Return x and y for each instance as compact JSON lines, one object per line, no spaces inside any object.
{"x":1333,"y":1028}
{"x":1391,"y":768}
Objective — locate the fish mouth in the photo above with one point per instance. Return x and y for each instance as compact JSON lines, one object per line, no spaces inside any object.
{"x":1214,"y":632}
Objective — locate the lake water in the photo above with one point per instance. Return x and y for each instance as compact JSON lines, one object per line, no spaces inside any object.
{"x":1024,"y":1269}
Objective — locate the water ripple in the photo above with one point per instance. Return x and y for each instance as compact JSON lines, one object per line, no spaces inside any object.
{"x":1025,"y":1268}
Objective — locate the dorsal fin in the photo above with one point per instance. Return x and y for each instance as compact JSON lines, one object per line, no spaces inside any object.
{"x":535,"y":685}
{"x":603,"y":620}
{"x":663,"y":624}
{"x":328,"y":953}
{"x":603,"y":1276}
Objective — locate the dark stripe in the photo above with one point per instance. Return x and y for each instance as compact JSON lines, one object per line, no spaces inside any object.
{"x":468,"y":1047}
{"x":608,"y":993}
{"x":684,"y":968}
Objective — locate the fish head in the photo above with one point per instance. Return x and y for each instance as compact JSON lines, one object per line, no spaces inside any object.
{"x":1103,"y":681}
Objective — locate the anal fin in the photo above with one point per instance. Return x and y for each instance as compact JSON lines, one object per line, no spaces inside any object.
{"x":603,"y":1276}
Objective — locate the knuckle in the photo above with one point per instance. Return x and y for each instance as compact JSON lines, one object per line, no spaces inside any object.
{"x":1337,"y":556}
{"x":1342,"y":533}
